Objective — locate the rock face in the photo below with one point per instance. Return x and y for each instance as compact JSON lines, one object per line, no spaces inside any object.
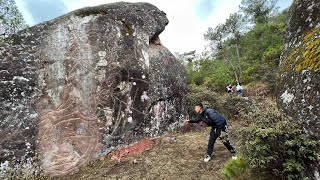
{"x":83,"y":84}
{"x":299,"y":86}
{"x":299,"y":80}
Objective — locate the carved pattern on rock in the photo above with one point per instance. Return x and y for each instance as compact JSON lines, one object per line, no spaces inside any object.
{"x":67,"y":138}
{"x":100,"y":79}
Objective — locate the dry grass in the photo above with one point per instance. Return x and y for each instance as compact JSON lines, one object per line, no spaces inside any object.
{"x":182,"y":159}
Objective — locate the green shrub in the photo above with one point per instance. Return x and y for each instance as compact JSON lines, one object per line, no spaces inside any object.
{"x":209,"y":73}
{"x":276,"y":147}
{"x":234,"y":106}
{"x":236,"y":169}
{"x":199,"y":94}
{"x":219,"y":77}
{"x":230,"y":106}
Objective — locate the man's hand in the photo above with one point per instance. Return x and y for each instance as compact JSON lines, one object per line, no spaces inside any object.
{"x":186,"y":121}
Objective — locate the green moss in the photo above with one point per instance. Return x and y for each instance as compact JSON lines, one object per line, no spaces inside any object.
{"x":91,"y":11}
{"x":13,"y":39}
{"x":127,"y":29}
{"x":306,"y":56}
{"x":311,"y":56}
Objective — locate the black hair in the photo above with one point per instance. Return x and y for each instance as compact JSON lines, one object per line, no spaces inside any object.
{"x":199,"y":104}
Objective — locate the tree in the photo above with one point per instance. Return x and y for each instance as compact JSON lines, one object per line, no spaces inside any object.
{"x":259,"y":11}
{"x":234,"y":25}
{"x":235,"y":51}
{"x":217,"y":38}
{"x":11,"y":20}
{"x":187,"y":56}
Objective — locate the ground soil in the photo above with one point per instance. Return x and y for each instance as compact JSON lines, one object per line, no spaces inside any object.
{"x":180,"y":157}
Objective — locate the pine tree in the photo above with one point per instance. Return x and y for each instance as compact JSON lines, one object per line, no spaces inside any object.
{"x":11,"y":20}
{"x":260,"y":12}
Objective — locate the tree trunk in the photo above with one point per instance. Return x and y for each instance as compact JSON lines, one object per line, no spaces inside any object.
{"x":232,"y":65}
{"x":260,"y":46}
{"x":238,"y":56}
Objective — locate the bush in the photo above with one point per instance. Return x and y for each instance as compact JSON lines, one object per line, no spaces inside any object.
{"x":230,"y":106}
{"x":212,"y":74}
{"x":235,"y":107}
{"x":276,"y":147}
{"x":219,"y":77}
{"x":206,"y":97}
{"x":236,"y":169}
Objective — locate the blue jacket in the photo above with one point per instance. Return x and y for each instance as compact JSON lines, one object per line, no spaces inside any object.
{"x":211,"y":117}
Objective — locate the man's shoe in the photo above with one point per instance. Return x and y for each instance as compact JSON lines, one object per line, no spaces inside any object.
{"x":234,"y":156}
{"x":207,"y":158}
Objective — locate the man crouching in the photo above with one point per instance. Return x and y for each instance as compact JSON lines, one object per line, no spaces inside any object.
{"x":219,"y":128}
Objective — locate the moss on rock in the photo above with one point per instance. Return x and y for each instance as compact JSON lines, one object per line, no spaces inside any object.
{"x":127,"y":29}
{"x":91,"y":11}
{"x":306,"y":55}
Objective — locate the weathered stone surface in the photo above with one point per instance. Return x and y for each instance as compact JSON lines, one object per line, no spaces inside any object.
{"x":85,"y":83}
{"x":299,"y":87}
{"x":299,"y":80}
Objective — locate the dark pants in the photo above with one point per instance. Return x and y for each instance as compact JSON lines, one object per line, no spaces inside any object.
{"x":222,"y":133}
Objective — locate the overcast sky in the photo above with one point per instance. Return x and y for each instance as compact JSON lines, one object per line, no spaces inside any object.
{"x":188,"y":19}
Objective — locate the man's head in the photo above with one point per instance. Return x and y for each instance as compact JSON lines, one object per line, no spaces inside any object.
{"x":198,"y":108}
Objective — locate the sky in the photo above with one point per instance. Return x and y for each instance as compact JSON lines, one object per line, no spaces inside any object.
{"x":188,"y":19}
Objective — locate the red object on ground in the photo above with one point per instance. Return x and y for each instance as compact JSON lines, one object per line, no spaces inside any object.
{"x":132,"y":150}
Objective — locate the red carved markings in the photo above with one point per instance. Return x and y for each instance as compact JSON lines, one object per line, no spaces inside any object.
{"x":67,"y":138}
{"x":69,"y":134}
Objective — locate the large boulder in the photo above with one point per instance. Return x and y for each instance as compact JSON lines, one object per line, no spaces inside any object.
{"x":86,"y":83}
{"x":299,"y":78}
